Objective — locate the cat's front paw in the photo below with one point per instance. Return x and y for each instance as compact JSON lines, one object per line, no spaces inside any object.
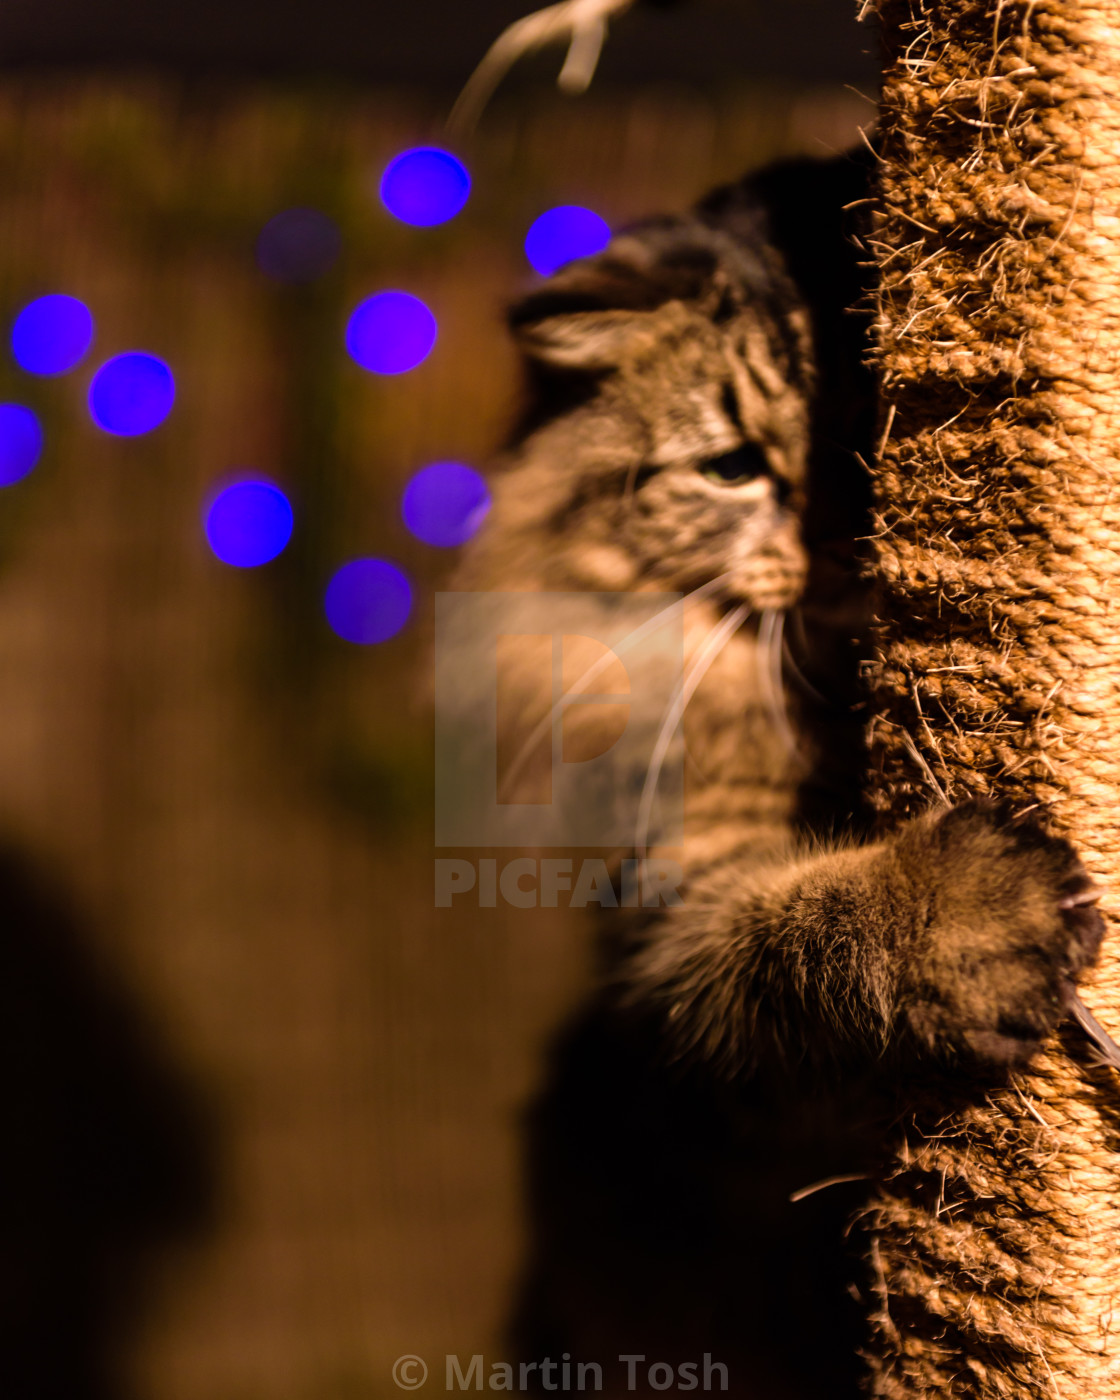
{"x":1006,"y":919}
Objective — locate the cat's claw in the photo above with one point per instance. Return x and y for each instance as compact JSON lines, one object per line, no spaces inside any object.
{"x":1108,"y":1049}
{"x":1009,"y":923}
{"x":1092,"y":895}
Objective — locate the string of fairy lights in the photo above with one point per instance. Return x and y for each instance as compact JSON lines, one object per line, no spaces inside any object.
{"x":248,"y":520}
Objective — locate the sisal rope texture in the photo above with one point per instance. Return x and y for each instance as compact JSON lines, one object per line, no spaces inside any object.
{"x":995,"y":1233}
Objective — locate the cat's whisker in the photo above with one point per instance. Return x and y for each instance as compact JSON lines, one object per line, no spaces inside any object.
{"x":794,"y":666}
{"x":630,"y":490}
{"x":770,"y":676}
{"x":828,"y":1181}
{"x":543,"y":729}
{"x":717,"y":638}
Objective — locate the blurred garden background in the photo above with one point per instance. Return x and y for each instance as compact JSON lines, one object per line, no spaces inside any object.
{"x":263,"y":1096}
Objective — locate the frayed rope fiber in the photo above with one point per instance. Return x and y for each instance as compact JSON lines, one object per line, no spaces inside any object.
{"x":995,"y":1235}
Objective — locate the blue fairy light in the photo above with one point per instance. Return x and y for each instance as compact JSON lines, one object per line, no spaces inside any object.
{"x":131,"y":394}
{"x":390,"y":333}
{"x":51,"y":334}
{"x":425,"y":186}
{"x":298,"y":245}
{"x":563,"y":234}
{"x":445,"y":504}
{"x":248,"y":522}
{"x":21,"y":442}
{"x":368,"y":601}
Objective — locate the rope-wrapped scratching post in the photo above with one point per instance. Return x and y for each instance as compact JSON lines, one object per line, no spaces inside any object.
{"x":995,"y":1236}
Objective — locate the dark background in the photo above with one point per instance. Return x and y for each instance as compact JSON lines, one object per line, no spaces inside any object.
{"x":432,"y":42}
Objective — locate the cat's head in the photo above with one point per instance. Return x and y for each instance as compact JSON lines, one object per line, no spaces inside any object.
{"x":699,"y":409}
{"x":667,"y":442}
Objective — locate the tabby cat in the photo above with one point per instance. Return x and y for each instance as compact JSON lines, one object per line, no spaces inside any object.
{"x":699,"y":420}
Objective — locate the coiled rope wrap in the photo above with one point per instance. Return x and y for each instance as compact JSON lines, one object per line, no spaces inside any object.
{"x":995,"y":1237}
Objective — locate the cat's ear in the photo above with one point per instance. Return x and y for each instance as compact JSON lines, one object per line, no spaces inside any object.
{"x":589,"y":342}
{"x":589,"y":317}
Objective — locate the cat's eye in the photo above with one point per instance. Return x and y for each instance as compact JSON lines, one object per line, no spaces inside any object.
{"x":736,"y":468}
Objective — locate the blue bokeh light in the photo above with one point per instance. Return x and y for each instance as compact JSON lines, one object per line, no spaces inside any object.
{"x":297,"y":245}
{"x":367,"y":601}
{"x":425,"y":186}
{"x":248,"y":522}
{"x":391,"y":333}
{"x":131,"y":394}
{"x":445,"y":504}
{"x":562,"y":234}
{"x":21,"y":442}
{"x":51,"y":334}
